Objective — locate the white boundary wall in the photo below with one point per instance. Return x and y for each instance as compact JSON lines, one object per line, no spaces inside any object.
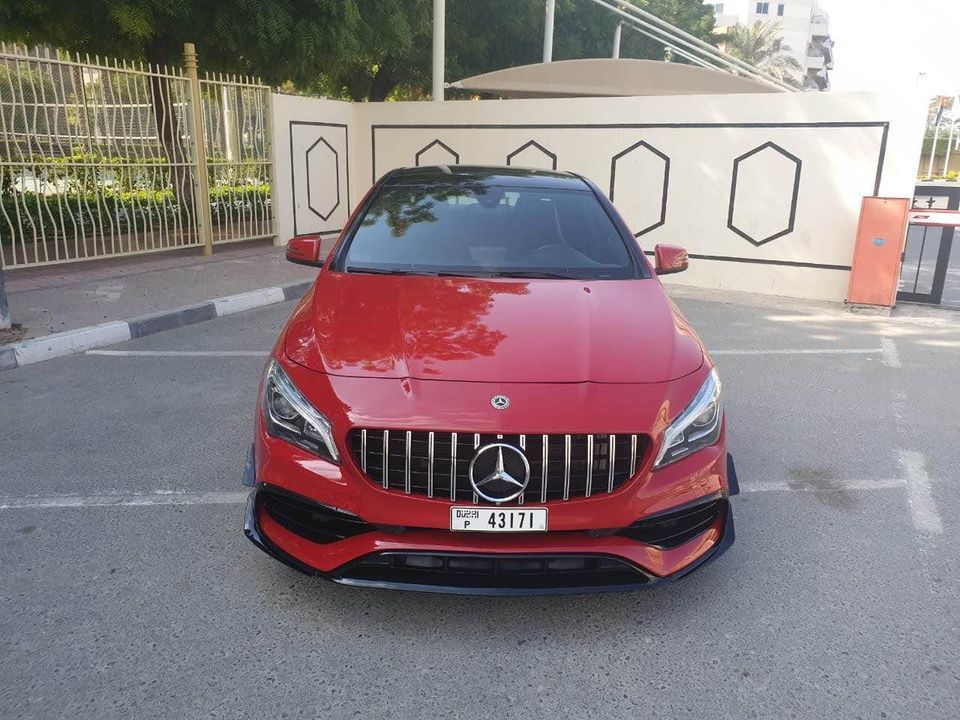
{"x":763,"y":190}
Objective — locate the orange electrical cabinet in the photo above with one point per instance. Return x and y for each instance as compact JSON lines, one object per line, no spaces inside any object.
{"x":876,"y":257}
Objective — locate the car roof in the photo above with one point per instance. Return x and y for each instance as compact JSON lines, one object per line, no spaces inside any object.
{"x":484,"y":175}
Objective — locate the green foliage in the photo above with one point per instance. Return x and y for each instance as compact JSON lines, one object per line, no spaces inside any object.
{"x":359,"y":49}
{"x":761,"y":44}
{"x":84,"y":213}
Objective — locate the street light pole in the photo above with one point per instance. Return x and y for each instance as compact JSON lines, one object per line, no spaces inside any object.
{"x":617,"y":31}
{"x":548,"y":31}
{"x":439,"y":47}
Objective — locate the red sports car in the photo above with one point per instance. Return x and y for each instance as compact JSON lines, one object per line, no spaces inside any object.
{"x":488,"y":391}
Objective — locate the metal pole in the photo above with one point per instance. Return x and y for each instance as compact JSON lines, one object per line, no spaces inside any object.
{"x":439,"y":47}
{"x":616,"y":39}
{"x":953,"y":124}
{"x":933,"y":150}
{"x":548,"y":31}
{"x":6,"y":321}
{"x":201,"y":186}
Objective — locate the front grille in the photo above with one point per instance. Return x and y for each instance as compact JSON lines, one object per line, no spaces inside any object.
{"x":471,"y":572}
{"x":436,"y":464}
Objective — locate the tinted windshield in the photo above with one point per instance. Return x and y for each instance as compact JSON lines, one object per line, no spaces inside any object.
{"x":475,"y":229}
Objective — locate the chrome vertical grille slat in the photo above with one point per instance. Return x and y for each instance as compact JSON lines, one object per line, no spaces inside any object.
{"x":386,"y":459}
{"x":543,"y":472}
{"x":523,"y":446}
{"x":406,"y":466}
{"x":611,"y":461}
{"x":453,"y":466}
{"x":430,"y":464}
{"x":363,"y":450}
{"x":589,"y":466}
{"x":435,"y":464}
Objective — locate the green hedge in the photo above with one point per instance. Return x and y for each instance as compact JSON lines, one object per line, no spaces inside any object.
{"x":78,"y":213}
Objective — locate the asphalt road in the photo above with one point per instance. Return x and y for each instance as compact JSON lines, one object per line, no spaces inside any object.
{"x":839,"y":598}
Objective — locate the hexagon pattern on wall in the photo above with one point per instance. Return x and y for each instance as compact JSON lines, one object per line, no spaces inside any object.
{"x":639,"y":182}
{"x":763,"y":194}
{"x":533,"y":155}
{"x":436,"y":153}
{"x":323,"y":179}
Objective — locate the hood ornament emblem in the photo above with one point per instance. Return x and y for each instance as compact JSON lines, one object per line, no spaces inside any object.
{"x":500,"y":402}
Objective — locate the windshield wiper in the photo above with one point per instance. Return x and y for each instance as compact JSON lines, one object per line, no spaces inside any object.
{"x":533,"y":274}
{"x":377,"y":271}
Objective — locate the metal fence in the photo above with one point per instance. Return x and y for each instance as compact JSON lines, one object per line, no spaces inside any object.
{"x":101,"y":158}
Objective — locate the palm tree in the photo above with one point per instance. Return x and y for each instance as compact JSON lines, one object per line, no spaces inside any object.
{"x":762,"y":46}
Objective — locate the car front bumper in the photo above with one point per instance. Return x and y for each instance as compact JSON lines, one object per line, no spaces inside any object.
{"x":333,"y":544}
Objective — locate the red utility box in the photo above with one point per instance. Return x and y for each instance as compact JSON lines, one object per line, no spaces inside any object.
{"x":876,"y":257}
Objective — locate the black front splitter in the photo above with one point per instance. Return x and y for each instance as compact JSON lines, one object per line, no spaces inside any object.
{"x":341,"y":575}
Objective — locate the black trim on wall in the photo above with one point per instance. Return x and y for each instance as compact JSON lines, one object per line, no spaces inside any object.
{"x":293,"y":176}
{"x":421,"y":151}
{"x":883,"y":125}
{"x":541,"y":148}
{"x":664,"y":185}
{"x":793,"y":199}
{"x":336,"y":160}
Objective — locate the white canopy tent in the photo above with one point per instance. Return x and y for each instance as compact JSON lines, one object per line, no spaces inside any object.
{"x":609,"y":77}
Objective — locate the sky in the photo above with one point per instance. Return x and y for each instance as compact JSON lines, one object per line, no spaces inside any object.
{"x":884,"y":44}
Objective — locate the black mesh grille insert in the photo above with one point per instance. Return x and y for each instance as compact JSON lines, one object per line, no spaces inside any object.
{"x":674,"y":528}
{"x":310,"y":520}
{"x":597,"y":463}
{"x":475,"y":571}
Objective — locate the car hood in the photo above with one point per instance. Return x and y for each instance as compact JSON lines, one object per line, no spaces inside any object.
{"x":492,"y":330}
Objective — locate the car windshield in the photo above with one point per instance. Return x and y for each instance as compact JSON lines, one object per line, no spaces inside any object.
{"x":474,"y":229}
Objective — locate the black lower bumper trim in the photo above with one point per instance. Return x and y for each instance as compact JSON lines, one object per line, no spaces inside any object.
{"x":486,"y":574}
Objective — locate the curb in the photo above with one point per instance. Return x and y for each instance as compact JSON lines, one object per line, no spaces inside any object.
{"x":82,"y":339}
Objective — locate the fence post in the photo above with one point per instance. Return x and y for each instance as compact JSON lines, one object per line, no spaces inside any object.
{"x":6,"y":321}
{"x":272,"y":158}
{"x":198,"y":147}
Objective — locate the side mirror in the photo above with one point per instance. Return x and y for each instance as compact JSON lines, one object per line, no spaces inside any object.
{"x":670,"y":259}
{"x":305,"y":250}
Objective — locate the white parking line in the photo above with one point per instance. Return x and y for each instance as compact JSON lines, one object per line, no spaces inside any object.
{"x":127,"y":500}
{"x":891,"y":357}
{"x":180,"y":353}
{"x":806,"y":351}
{"x":926,"y":518}
{"x":826,"y":486}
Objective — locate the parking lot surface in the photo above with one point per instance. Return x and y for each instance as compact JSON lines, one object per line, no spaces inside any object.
{"x":127,"y":588}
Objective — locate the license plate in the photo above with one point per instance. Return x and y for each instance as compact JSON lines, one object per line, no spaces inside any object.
{"x":482,"y":519}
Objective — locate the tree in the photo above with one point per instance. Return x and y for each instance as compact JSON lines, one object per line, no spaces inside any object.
{"x":359,"y":49}
{"x":761,"y":45}
{"x":487,"y":35}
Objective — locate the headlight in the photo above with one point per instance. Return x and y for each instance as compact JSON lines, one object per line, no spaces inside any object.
{"x":288,"y":415}
{"x":697,"y":427}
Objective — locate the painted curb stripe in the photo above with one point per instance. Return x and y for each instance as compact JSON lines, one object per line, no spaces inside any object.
{"x":80,"y":340}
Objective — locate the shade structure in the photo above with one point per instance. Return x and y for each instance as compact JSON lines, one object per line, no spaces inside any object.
{"x":609,"y":77}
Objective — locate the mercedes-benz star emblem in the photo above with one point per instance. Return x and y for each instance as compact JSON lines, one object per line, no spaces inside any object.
{"x":500,"y":402}
{"x":499,"y":472}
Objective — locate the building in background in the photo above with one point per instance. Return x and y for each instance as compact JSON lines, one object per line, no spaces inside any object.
{"x":804,"y":27}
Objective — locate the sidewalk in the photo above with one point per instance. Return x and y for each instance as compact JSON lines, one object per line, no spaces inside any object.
{"x":57,"y":298}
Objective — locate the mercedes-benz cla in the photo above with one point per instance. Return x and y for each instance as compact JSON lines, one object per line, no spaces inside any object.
{"x":487,"y":390}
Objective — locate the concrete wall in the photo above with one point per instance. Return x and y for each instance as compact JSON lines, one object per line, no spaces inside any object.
{"x":764,"y":191}
{"x":311,"y":140}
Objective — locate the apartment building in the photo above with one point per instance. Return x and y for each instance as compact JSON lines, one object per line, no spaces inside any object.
{"x":804,"y":27}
